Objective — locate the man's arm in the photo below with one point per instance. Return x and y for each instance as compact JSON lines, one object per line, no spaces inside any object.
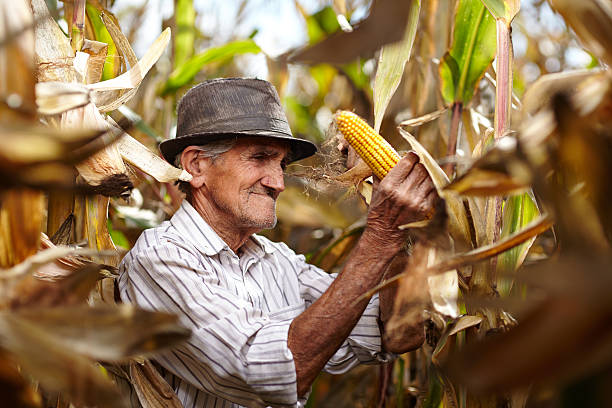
{"x":409,"y":336}
{"x":404,"y":196}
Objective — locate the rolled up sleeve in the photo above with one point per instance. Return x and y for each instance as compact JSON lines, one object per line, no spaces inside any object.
{"x":236,"y":352}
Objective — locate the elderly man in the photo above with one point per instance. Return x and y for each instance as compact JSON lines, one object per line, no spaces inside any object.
{"x":264,"y":322}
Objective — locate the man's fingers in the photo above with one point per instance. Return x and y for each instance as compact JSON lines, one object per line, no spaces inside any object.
{"x":417,"y":176}
{"x":402,"y":169}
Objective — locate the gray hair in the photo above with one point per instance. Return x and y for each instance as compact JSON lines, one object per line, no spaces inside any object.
{"x":213,"y":150}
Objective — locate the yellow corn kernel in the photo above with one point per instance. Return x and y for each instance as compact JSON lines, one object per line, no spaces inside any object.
{"x":370,"y":146}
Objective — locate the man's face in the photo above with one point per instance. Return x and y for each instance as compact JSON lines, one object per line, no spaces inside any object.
{"x":245,"y":182}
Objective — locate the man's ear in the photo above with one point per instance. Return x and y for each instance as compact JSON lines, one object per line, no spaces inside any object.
{"x":195,"y":165}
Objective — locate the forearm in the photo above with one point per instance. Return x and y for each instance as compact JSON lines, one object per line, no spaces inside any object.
{"x":316,"y":334}
{"x":408,"y":336}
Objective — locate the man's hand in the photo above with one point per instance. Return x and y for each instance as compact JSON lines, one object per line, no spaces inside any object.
{"x":407,"y":194}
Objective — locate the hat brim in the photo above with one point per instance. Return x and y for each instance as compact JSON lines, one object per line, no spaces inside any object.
{"x":300,"y":148}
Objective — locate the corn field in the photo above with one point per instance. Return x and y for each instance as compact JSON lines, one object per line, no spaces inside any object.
{"x":511,"y":115}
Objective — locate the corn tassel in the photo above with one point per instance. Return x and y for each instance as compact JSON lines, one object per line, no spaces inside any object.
{"x":371,"y":147}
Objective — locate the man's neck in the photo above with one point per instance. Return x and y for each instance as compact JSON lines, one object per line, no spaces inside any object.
{"x":233,"y":236}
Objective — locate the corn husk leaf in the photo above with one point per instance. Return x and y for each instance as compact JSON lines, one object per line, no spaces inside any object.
{"x":458,"y":225}
{"x":97,"y":56}
{"x":112,"y":63}
{"x":139,"y":156}
{"x":455,"y":326}
{"x":91,"y":214}
{"x":54,"y":53}
{"x":391,"y":62}
{"x":73,"y":288}
{"x":56,"y":366}
{"x":132,"y":78}
{"x":107,"y":333}
{"x":112,"y":101}
{"x":22,"y":145}
{"x":104,"y":170}
{"x":53,"y":97}
{"x":421,"y":120}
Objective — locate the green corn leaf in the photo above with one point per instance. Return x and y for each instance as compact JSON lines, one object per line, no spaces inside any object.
{"x":519,"y":210}
{"x":321,"y":24}
{"x":472,"y":51}
{"x":112,"y":65}
{"x":185,"y":73}
{"x":391,"y":63}
{"x":504,"y":10}
{"x":185,"y":31}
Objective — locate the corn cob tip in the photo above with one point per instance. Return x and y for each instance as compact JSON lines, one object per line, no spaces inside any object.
{"x":370,"y":146}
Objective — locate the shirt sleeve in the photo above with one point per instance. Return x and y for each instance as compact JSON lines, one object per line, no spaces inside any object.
{"x":364,"y":344}
{"x":236,"y":351}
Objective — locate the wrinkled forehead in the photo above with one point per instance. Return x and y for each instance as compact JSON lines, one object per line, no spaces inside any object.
{"x":254,"y":144}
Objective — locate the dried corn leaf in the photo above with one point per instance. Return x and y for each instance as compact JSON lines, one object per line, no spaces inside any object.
{"x":132,"y":78}
{"x":378,"y":29}
{"x":152,"y":389}
{"x":36,"y":261}
{"x":56,"y":97}
{"x":97,"y":57}
{"x":454,"y":327}
{"x":477,"y":255}
{"x":104,"y":170}
{"x":541,"y":92}
{"x":139,"y":156}
{"x":421,"y":120}
{"x":16,"y":391}
{"x":592,"y":21}
{"x":72,"y":289}
{"x":112,"y":100}
{"x":21,"y":217}
{"x":23,"y":145}
{"x":16,"y":61}
{"x":91,"y":214}
{"x":54,"y":53}
{"x":501,"y":171}
{"x":107,"y":333}
{"x":565,"y":335}
{"x":56,"y":366}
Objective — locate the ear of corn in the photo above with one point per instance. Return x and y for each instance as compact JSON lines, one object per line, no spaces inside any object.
{"x":370,"y":146}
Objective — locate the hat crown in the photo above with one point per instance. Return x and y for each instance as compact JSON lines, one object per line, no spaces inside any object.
{"x":218,"y":109}
{"x":231,"y":105}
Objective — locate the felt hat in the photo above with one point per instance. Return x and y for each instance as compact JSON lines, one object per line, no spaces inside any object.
{"x":232,"y":107}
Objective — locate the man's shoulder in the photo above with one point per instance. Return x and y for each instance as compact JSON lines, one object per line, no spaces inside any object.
{"x":162,"y":236}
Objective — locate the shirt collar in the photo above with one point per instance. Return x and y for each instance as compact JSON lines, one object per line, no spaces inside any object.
{"x":190,"y":224}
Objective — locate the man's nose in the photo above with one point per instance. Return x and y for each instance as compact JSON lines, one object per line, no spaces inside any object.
{"x":275,"y":179}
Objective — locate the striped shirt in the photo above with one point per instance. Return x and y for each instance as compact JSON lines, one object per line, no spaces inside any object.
{"x":239,"y":308}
